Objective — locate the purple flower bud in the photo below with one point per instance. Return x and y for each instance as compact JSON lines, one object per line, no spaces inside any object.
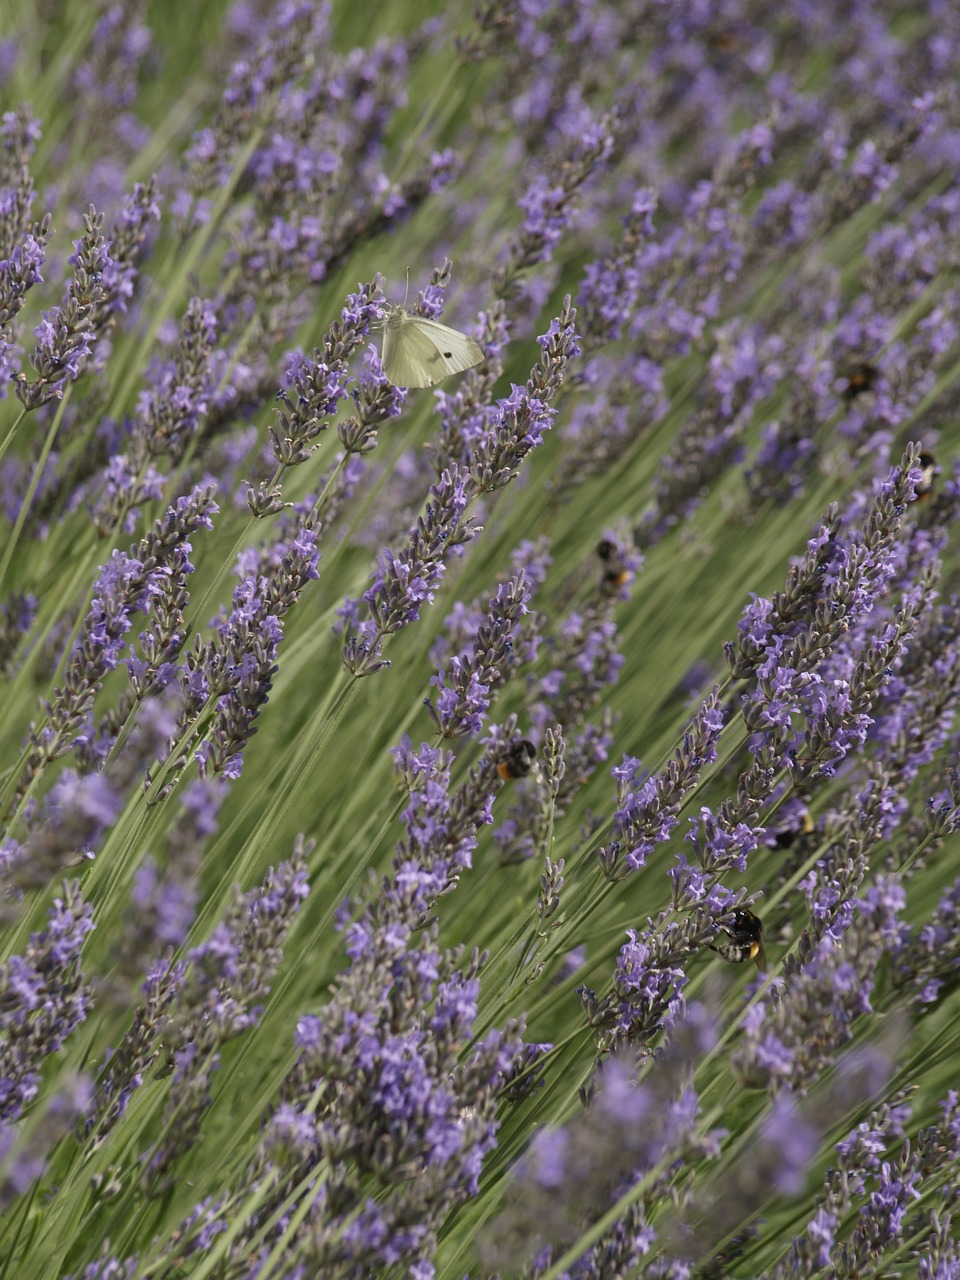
{"x":406,"y":580}
{"x":213,"y":1002}
{"x":25,"y":1149}
{"x":126,"y":584}
{"x":647,"y":813}
{"x":523,"y":417}
{"x":67,"y":335}
{"x":315,"y":387}
{"x":44,"y":998}
{"x":491,"y":659}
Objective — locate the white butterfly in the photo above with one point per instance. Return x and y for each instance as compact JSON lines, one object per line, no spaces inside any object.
{"x":420,"y":353}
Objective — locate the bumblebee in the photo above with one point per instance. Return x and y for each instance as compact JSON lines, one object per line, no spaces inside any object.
{"x":860,"y":377}
{"x":802,"y":826}
{"x":746,"y":939}
{"x":727,"y":41}
{"x":927,"y":464}
{"x":518,"y":761}
{"x":616,"y":573}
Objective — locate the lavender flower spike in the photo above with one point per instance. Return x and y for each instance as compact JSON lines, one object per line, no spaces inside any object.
{"x":168,"y":418}
{"x":523,"y":417}
{"x":646,"y":814}
{"x":19,"y":272}
{"x":317,"y":386}
{"x":25,"y":1149}
{"x":67,"y":335}
{"x":43,"y":998}
{"x":631,"y":1132}
{"x":468,"y":678}
{"x":126,"y":584}
{"x":237,"y":667}
{"x":215,"y":1002}
{"x":405,"y":581}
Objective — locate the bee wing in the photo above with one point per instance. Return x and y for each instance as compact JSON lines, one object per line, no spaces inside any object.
{"x":421,"y":353}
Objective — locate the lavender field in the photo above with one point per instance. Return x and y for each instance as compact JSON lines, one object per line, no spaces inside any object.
{"x":503,"y":827}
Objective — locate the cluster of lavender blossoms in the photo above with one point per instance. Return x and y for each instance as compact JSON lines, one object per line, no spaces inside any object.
{"x":610,"y":924}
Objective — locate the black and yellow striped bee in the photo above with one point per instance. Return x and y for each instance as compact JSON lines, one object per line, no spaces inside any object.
{"x":746,"y":939}
{"x":518,"y":761}
{"x":928,"y":469}
{"x":860,"y":377}
{"x":616,"y":573}
{"x":802,"y":825}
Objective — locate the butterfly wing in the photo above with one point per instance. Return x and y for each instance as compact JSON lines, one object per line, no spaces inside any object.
{"x":458,"y":351}
{"x":421,"y":353}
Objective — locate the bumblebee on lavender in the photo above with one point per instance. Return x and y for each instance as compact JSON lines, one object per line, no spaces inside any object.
{"x":746,"y":939}
{"x":616,"y":574}
{"x":518,"y":761}
{"x":801,"y":826}
{"x":927,"y":464}
{"x":860,"y":377}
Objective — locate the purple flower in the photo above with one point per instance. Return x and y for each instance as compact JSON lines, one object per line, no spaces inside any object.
{"x":276,"y":58}
{"x":392,"y":1037}
{"x":648,"y":810}
{"x":126,"y":584}
{"x":926,"y":955}
{"x":795,"y":1142}
{"x":213,"y":1003}
{"x":168,"y":417}
{"x":19,"y":272}
{"x":611,"y":285}
{"x":523,"y":417}
{"x":315,"y":387}
{"x":791,"y":1036}
{"x":124,"y":1069}
{"x":547,"y":203}
{"x":164,"y":898}
{"x":26,"y":1149}
{"x":784,"y":642}
{"x":236,"y":667}
{"x":107,"y":1267}
{"x":45,"y":997}
{"x":129,"y":235}
{"x":16,"y":619}
{"x":720,"y":842}
{"x":648,"y":985}
{"x":572,"y":1176}
{"x":468,"y":678}
{"x":406,"y":580}
{"x":67,"y":335}
{"x":583,"y":660}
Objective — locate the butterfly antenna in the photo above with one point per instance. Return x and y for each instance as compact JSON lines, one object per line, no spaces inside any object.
{"x":406,"y":288}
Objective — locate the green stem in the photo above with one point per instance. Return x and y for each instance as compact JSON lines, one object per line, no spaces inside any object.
{"x":12,"y":432}
{"x":31,"y":491}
